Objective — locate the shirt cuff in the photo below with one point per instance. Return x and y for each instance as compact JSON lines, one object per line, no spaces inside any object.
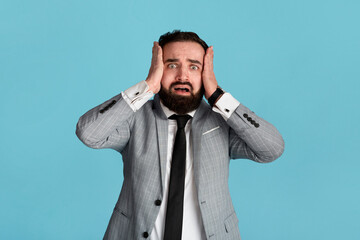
{"x":226,"y":105}
{"x":137,"y":95}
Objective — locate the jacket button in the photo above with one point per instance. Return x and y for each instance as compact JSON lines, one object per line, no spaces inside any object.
{"x":256,"y":125}
{"x":158,"y":202}
{"x":145,"y":235}
{"x":245,"y":115}
{"x":249,"y":119}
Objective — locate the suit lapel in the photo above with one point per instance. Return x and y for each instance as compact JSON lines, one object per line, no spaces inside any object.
{"x":197,"y":126}
{"x":162,"y":128}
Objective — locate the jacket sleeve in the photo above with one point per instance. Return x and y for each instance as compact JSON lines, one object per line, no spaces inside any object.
{"x":252,"y":137}
{"x":106,"y":125}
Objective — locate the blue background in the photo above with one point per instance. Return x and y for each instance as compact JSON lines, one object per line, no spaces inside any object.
{"x":295,"y":63}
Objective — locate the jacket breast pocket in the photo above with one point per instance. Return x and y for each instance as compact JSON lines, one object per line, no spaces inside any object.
{"x":211,"y":132}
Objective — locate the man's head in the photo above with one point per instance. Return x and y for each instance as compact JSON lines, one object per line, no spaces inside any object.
{"x":181,"y":84}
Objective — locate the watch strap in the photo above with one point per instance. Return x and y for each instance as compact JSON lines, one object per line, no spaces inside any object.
{"x":212,"y":99}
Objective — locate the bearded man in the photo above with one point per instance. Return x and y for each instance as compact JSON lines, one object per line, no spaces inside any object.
{"x":176,"y":148}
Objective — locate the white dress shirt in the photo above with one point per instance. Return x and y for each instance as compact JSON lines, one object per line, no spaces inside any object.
{"x":193,"y":229}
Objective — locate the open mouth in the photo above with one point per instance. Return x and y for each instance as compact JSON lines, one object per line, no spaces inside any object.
{"x":182,"y":89}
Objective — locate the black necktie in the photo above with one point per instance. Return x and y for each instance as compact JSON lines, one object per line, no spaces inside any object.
{"x":174,"y":212}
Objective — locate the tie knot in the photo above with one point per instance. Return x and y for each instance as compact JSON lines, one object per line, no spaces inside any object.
{"x":180,"y":119}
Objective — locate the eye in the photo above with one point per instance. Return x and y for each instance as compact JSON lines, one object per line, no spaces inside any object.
{"x":172,"y":65}
{"x":193,"y":67}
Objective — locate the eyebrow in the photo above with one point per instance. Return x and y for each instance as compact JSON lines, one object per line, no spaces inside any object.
{"x":177,"y":60}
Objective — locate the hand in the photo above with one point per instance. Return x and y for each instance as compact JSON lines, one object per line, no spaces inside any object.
{"x":208,"y":75}
{"x":156,"y":69}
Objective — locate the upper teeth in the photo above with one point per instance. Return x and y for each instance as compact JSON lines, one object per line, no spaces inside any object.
{"x":182,"y":89}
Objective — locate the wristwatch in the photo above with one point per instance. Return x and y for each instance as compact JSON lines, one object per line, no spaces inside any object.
{"x":212,"y":99}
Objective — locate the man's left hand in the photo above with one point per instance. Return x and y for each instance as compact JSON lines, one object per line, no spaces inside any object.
{"x":208,"y":75}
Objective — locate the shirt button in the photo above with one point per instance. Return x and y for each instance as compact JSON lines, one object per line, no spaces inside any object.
{"x":158,"y":202}
{"x":145,"y":234}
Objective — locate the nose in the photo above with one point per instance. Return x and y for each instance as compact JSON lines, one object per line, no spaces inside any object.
{"x":182,"y":74}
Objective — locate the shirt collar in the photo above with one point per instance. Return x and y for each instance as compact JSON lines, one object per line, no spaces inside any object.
{"x":168,"y":112}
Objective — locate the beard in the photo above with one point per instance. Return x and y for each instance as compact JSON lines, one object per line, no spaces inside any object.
{"x":181,"y":104}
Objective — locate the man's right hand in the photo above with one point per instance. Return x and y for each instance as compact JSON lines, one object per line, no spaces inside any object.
{"x":156,"y":69}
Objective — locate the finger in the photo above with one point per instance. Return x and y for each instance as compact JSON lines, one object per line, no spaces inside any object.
{"x":211,"y":55}
{"x":156,"y":46}
{"x":155,"y":52}
{"x":209,"y":52}
{"x":160,"y":54}
{"x":208,"y":57}
{"x":154,"y":49}
{"x":153,"y":57}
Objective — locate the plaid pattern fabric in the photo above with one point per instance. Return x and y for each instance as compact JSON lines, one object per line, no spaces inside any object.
{"x":141,"y":138}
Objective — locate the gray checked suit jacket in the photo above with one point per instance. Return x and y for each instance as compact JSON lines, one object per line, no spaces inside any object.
{"x":141,"y":138}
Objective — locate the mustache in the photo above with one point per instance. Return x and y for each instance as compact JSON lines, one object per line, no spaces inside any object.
{"x":181,"y":83}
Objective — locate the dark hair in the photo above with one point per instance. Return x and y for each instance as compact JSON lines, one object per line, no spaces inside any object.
{"x":179,"y":36}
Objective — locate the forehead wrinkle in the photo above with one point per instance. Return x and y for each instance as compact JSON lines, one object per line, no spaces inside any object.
{"x":184,"y":50}
{"x":188,"y":59}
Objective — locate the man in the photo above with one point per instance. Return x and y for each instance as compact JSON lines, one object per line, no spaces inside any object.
{"x":176,"y":171}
